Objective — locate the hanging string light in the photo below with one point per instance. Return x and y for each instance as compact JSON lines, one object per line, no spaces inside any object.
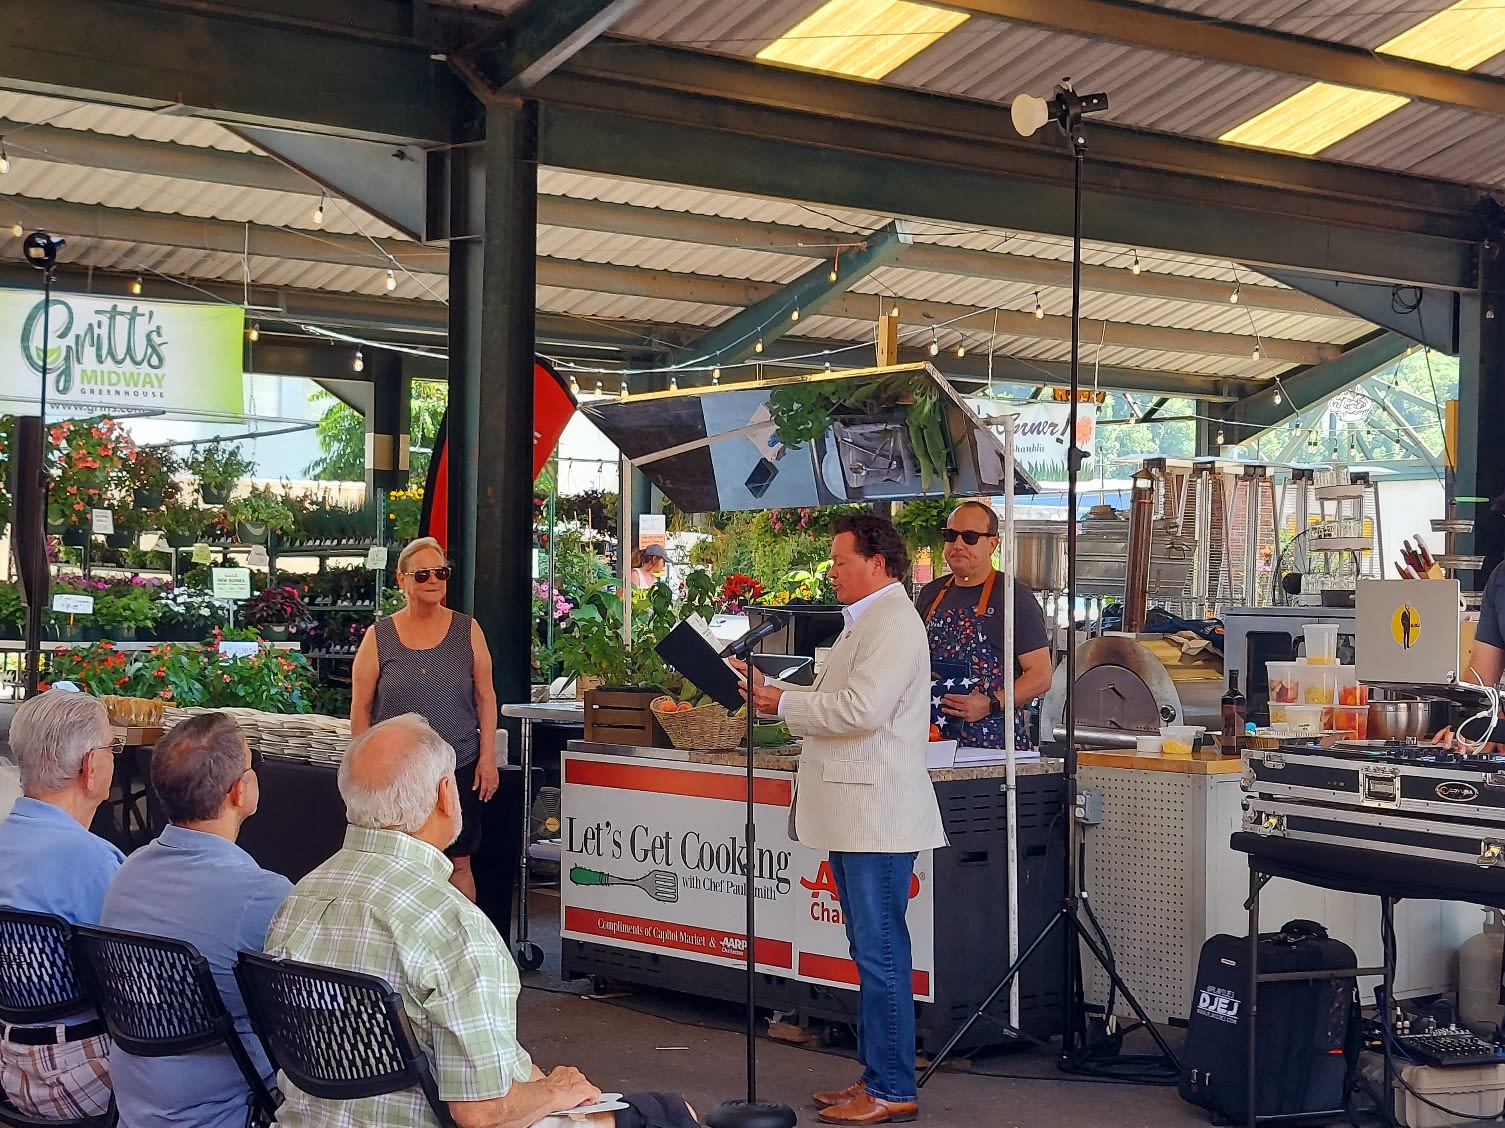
{"x":253,"y":334}
{"x":795,"y":315}
{"x":835,"y":267}
{"x":1278,"y":397}
{"x":136,"y":285}
{"x":757,"y":348}
{"x":961,"y":348}
{"x":1238,"y":288}
{"x":17,"y":230}
{"x":935,"y":342}
{"x":319,"y":211}
{"x":715,"y":376}
{"x":1039,"y":309}
{"x":4,"y":157}
{"x":894,"y":311}
{"x":673,"y":384}
{"x":574,"y":386}
{"x":391,"y":281}
{"x":1135,"y":269}
{"x":1220,"y":438}
{"x":360,"y":361}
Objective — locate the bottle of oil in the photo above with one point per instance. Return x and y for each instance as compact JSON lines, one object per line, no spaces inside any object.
{"x":1234,"y":710}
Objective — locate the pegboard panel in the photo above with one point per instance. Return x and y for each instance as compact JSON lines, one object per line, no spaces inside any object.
{"x":1145,"y":887}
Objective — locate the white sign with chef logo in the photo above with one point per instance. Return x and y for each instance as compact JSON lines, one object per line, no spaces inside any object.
{"x":653,"y":860}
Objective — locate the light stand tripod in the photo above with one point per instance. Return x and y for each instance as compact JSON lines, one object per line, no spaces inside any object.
{"x":1066,"y":108}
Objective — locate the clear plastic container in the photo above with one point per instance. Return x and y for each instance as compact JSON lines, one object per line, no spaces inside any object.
{"x":1284,"y":689}
{"x":1147,"y":745}
{"x":1178,"y":741}
{"x":1321,"y":643}
{"x":1352,"y":718}
{"x":1277,"y":714}
{"x":1319,"y":684}
{"x":1304,"y":720}
{"x":1351,"y":691}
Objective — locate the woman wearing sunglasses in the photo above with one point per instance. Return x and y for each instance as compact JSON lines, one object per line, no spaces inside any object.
{"x":429,"y":660}
{"x":963,"y":615}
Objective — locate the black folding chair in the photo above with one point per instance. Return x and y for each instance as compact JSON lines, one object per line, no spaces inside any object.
{"x":159,"y":999}
{"x":38,"y":987}
{"x":339,"y":1035}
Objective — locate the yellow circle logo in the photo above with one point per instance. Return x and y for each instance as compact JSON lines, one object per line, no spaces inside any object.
{"x":1405,"y":625}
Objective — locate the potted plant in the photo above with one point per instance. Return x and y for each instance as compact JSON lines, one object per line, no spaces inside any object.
{"x":258,"y":514}
{"x":219,"y":468}
{"x":130,"y":523}
{"x":88,"y":460}
{"x":183,"y":525}
{"x":70,"y":627}
{"x":12,"y":611}
{"x":153,"y":476}
{"x":272,"y":680}
{"x":276,"y":612}
{"x":125,"y":607}
{"x":187,"y":614}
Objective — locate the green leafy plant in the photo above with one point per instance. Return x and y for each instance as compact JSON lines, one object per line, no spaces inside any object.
{"x":261,"y":506}
{"x":277,"y":606}
{"x":88,"y":460}
{"x":184,"y":523}
{"x":219,"y":467}
{"x":592,"y":643}
{"x":921,"y":522}
{"x":153,"y":476}
{"x":131,"y":603}
{"x":12,"y":609}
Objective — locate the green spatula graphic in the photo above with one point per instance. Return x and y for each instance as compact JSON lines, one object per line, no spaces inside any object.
{"x":661,"y":885}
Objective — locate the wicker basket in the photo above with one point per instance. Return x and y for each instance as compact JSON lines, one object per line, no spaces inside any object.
{"x":706,"y":728}
{"x":134,"y":712}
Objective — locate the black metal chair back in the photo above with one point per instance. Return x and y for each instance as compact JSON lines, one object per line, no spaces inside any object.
{"x":339,"y":1035}
{"x":38,"y":986}
{"x":159,"y":999}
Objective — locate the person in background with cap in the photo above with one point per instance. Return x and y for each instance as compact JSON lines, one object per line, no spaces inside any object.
{"x":650,"y":565}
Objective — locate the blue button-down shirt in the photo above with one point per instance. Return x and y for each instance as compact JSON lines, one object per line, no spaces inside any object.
{"x":50,"y":863}
{"x":198,"y":887}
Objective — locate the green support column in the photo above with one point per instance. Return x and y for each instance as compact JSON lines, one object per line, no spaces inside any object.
{"x":1480,"y":476}
{"x":465,"y":220}
{"x":504,"y":477}
{"x":388,"y":425}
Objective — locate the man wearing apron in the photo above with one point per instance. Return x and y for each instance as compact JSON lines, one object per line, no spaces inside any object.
{"x":964,"y":618}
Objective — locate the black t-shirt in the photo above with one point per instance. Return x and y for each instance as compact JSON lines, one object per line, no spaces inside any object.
{"x":1491,"y":629}
{"x":1030,"y":632}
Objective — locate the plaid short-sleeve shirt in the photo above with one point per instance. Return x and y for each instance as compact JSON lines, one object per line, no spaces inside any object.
{"x":383,"y":905}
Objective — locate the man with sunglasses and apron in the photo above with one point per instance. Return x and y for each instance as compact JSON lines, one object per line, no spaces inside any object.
{"x":964,"y":618}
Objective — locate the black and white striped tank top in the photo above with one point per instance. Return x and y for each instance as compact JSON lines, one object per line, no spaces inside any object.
{"x":437,"y":684}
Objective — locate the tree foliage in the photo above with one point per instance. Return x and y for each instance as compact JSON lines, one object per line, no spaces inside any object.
{"x":342,"y":434}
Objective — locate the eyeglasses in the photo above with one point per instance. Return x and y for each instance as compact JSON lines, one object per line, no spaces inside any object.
{"x":970,"y":536}
{"x":422,"y":575}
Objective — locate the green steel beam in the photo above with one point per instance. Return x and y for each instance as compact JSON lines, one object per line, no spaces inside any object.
{"x":1194,"y":35}
{"x":1429,"y":317}
{"x":774,"y":316}
{"x":537,"y":39}
{"x":349,"y":67}
{"x":1294,"y":393}
{"x":728,"y":124}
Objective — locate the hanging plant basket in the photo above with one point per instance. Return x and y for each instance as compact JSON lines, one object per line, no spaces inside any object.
{"x":179,"y":540}
{"x":75,"y":537}
{"x":251,"y":532}
{"x":150,"y":498}
{"x":70,"y":632}
{"x":214,"y":495}
{"x":276,"y":633}
{"x":121,"y":540}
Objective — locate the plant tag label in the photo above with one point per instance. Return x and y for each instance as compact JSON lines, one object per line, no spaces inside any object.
{"x":202,"y":554}
{"x":239,"y":649}
{"x":73,"y":604}
{"x":103,"y":521}
{"x":376,"y":558}
{"x":155,"y":542}
{"x":258,"y":557}
{"x":230,"y":583}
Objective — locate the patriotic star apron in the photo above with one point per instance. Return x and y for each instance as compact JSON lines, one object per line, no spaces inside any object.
{"x":958,"y":634}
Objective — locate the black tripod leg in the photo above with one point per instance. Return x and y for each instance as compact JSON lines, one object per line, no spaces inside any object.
{"x":1008,"y":977}
{"x":1139,"y":1012}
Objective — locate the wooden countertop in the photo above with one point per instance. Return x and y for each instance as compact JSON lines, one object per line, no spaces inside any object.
{"x":1201,"y":763}
{"x":768,"y":759}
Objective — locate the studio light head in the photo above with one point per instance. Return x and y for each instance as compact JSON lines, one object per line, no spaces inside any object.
{"x":1066,"y":108}
{"x":41,"y":248}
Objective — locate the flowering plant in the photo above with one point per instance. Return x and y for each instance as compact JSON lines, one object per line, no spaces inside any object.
{"x":562,"y":604}
{"x":195,"y":609}
{"x":191,"y":674}
{"x":89,"y":459}
{"x":738,"y":590}
{"x":803,"y":587}
{"x":279,"y":606}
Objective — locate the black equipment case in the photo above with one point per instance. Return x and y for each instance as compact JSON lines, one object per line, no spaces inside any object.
{"x":1308,"y":1029}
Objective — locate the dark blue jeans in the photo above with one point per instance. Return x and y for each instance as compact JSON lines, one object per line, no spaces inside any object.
{"x":874,"y":893}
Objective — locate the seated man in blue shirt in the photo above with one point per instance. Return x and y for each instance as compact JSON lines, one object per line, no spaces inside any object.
{"x":50,"y":863}
{"x":195,"y":884}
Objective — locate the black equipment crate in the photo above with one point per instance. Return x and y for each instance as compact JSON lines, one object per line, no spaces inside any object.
{"x":971,"y":926}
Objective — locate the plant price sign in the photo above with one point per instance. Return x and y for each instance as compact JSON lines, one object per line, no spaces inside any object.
{"x":105,"y":353}
{"x":654,"y":860}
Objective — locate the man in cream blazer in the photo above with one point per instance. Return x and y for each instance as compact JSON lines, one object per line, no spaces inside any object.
{"x":863,"y":793}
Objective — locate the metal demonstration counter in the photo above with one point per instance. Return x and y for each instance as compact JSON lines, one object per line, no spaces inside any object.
{"x":651,"y":886}
{"x":1163,"y":878}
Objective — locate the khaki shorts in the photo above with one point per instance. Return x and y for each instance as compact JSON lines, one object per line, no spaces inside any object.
{"x":58,"y":1082}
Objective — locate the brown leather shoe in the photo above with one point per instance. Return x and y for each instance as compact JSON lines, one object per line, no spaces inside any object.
{"x":865,"y":1108}
{"x":838,"y":1096}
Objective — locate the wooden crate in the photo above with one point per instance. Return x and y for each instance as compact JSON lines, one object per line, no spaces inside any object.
{"x":623,"y":716}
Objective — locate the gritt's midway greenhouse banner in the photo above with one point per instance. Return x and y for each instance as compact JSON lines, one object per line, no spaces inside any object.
{"x":110,"y":353}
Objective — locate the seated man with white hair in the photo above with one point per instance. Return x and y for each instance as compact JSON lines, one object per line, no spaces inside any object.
{"x":383,"y":905}
{"x":50,"y":863}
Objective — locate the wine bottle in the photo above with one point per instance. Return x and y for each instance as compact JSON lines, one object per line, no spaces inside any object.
{"x":1234,"y":711}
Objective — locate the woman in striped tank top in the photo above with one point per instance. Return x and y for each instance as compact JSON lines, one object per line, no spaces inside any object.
{"x":429,"y":660}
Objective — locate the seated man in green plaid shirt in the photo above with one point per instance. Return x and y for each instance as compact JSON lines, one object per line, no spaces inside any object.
{"x":384,"y":905}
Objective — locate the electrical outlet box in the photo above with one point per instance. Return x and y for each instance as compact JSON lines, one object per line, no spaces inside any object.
{"x":1089,"y":806}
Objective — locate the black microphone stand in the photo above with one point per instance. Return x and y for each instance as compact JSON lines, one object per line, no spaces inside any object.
{"x":1066,"y":110}
{"x":751,"y":1112}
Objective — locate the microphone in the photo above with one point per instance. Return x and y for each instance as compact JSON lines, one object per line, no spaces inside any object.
{"x":744,"y":645}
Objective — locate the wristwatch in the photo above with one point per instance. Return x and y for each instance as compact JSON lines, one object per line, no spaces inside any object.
{"x":995,"y":706}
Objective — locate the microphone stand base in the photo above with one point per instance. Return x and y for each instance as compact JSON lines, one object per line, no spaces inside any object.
{"x":751,"y":1114}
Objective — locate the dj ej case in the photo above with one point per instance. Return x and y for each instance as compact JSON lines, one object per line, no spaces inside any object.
{"x":1460,"y":839}
{"x":1418,"y":780}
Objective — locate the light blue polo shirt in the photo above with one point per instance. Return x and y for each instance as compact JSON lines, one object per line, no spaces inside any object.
{"x":199,"y":887}
{"x":50,"y":863}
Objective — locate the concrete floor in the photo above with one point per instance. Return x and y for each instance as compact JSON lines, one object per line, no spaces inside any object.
{"x":621,"y":1049}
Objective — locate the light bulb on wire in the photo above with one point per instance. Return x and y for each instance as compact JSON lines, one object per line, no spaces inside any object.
{"x":600,"y":388}
{"x":935,"y":343}
{"x":673,"y":383}
{"x":1238,"y":288}
{"x":1255,"y":352}
{"x":961,"y":348}
{"x":715,"y":375}
{"x":391,"y":281}
{"x":833,"y":275}
{"x":1136,"y":268}
{"x":359,"y":364}
{"x":758,"y":346}
{"x":894,"y":310}
{"x":1039,"y":309}
{"x":1278,"y":397}
{"x":574,"y":386}
{"x":319,"y":211}
{"x":795,"y":314}
{"x":136,"y":285}
{"x":1220,"y":439}
{"x":4,"y":158}
{"x":253,"y":334}
{"x":17,"y":230}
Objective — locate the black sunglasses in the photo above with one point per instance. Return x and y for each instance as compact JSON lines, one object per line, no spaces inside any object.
{"x":971,"y":536}
{"x":422,"y":575}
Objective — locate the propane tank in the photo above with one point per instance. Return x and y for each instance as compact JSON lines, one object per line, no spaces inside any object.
{"x":1479,"y":976}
